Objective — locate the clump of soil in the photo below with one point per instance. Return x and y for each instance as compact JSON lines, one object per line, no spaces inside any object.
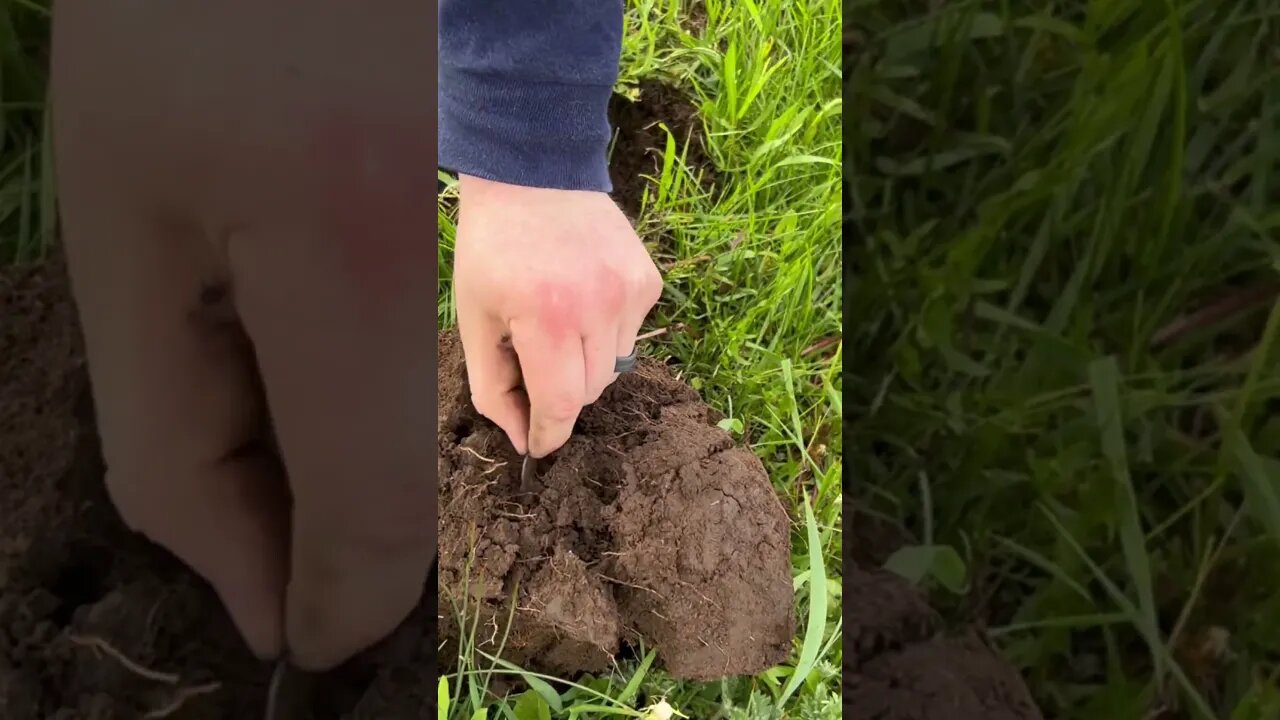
{"x":637,"y":152}
{"x":899,"y":665}
{"x":649,"y":525}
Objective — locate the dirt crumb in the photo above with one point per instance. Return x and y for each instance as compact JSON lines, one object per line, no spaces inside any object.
{"x":649,"y":524}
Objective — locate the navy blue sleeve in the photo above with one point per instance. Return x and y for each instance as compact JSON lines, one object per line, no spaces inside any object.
{"x":525,"y":87}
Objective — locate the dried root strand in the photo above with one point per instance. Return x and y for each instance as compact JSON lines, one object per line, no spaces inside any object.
{"x":180,"y":696}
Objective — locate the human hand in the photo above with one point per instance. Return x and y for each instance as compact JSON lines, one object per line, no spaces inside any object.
{"x":563,"y":277}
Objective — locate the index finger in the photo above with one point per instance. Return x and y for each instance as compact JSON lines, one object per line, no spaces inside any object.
{"x":353,"y":401}
{"x":493,"y":374}
{"x":554,"y":370}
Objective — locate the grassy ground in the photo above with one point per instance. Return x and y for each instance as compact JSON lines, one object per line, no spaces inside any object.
{"x":1064,"y":334}
{"x":753,"y":311}
{"x":752,"y":305}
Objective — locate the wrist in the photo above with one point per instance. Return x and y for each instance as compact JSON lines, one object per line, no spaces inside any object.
{"x":475,"y":187}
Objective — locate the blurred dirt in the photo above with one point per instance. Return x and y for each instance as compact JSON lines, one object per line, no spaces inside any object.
{"x":898,"y":663}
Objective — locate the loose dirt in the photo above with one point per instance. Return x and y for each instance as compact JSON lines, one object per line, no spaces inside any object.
{"x":899,"y":665}
{"x":649,"y":526}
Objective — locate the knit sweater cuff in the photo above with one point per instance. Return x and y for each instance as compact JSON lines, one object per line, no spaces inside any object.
{"x":547,"y":135}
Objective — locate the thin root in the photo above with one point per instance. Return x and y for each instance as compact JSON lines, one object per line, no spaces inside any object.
{"x":630,"y":585}
{"x":103,"y":646}
{"x":180,"y":698}
{"x":480,"y":457}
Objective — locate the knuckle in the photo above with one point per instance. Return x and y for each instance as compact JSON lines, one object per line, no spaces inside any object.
{"x":612,"y":292}
{"x":650,"y":285}
{"x":557,"y":301}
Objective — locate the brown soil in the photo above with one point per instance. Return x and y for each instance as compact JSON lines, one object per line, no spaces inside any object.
{"x":649,"y":525}
{"x":694,"y":17}
{"x":637,"y":152}
{"x":899,"y":665}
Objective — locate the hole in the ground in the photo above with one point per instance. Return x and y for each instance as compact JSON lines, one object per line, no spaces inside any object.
{"x":639,"y":142}
{"x":462,"y":428}
{"x":82,"y":581}
{"x":629,"y":652}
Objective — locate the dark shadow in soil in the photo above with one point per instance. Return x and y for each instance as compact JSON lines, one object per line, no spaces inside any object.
{"x":898,"y":662}
{"x":640,"y":141}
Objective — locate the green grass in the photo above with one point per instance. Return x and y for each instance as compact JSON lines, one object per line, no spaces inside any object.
{"x":752,"y":304}
{"x":27,"y":215}
{"x":1040,"y":196}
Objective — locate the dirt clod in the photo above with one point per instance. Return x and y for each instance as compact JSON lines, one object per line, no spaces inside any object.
{"x":648,"y":525}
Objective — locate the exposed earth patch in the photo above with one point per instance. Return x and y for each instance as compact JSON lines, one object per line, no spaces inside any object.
{"x":899,"y":664}
{"x":638,"y":149}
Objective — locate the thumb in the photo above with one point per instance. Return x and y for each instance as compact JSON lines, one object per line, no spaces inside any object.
{"x":493,"y":373}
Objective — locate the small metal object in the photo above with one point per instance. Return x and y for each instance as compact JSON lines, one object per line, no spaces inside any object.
{"x":273,"y":691}
{"x":527,"y":467}
{"x":289,"y":694}
{"x":625,"y":364}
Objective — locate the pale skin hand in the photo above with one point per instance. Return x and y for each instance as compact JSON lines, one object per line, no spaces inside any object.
{"x":561,"y":278}
{"x":561,"y":274}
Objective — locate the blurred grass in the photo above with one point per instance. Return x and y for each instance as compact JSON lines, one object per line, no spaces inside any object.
{"x":26,"y":176}
{"x":1063,"y":251}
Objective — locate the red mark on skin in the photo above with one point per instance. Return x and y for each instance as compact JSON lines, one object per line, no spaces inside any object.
{"x":560,"y":310}
{"x":378,"y":184}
